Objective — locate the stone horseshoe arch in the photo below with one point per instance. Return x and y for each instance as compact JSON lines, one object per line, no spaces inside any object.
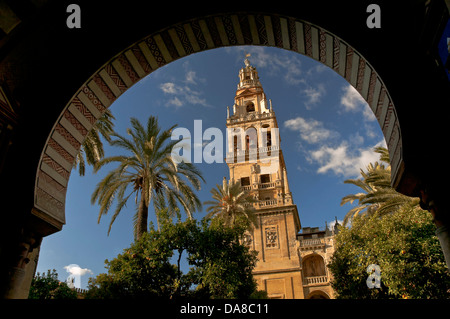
{"x":182,"y":39}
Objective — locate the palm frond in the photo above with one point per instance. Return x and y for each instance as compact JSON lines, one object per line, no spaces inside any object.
{"x":378,"y":196}
{"x":91,"y":149}
{"x":151,"y":171}
{"x":231,"y":202}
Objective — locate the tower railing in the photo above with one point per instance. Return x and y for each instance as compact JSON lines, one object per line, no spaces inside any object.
{"x":250,"y":117}
{"x":310,"y":242}
{"x":316,"y":280}
{"x":266,"y":185}
{"x":251,"y":154}
{"x":265,"y":203}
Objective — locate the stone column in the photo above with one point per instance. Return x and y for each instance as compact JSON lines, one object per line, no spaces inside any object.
{"x":19,"y":279}
{"x":433,"y":200}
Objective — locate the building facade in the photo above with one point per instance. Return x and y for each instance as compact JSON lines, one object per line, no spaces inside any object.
{"x":291,"y":264}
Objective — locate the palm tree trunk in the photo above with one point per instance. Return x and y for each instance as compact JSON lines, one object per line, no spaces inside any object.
{"x":180,"y":252}
{"x":142,"y":218}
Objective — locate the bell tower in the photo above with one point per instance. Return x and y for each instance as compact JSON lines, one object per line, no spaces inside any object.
{"x":255,"y":159}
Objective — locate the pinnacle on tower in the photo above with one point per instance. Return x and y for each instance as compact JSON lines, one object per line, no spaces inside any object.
{"x":246,"y":61}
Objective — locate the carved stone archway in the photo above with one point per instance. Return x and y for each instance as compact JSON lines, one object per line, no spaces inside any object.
{"x":313,"y":265}
{"x":185,"y":38}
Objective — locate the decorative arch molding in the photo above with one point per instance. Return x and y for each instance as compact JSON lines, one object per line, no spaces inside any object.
{"x":314,"y":254}
{"x":177,"y":41}
{"x":318,"y":294}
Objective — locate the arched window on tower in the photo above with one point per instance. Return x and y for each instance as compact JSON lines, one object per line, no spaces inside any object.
{"x":269,"y":139}
{"x":314,"y":266}
{"x":250,"y":107}
{"x":251,"y":139}
{"x":268,"y":135}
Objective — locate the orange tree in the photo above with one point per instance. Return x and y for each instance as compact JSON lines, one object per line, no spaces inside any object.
{"x":220,"y":266}
{"x":402,"y":244}
{"x":47,"y":286}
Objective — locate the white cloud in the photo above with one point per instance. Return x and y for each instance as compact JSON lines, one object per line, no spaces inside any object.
{"x":368,"y":113}
{"x":76,"y":270}
{"x":289,"y":66}
{"x":194,"y":99}
{"x":356,"y":139}
{"x":175,"y":102}
{"x":371,"y":130}
{"x":352,"y":101}
{"x":313,"y":95}
{"x":341,"y":160}
{"x":351,"y":98}
{"x":169,"y":88}
{"x":332,"y":223}
{"x":183,"y":94}
{"x":190,"y":77}
{"x":329,"y":155}
{"x":318,"y":68}
{"x":311,"y":131}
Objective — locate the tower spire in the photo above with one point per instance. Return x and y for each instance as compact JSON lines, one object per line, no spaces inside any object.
{"x":247,"y":61}
{"x":248,"y":75}
{"x":256,"y":161}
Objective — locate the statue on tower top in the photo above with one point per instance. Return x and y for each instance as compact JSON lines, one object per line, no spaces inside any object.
{"x":246,"y":61}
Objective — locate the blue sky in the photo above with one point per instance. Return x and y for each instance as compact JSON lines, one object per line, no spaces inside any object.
{"x":444,"y":45}
{"x":327,"y":134}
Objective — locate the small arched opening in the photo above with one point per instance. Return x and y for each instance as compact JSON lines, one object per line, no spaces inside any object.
{"x":318,"y":294}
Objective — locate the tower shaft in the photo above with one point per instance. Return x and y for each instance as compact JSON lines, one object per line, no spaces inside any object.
{"x":255,"y":160}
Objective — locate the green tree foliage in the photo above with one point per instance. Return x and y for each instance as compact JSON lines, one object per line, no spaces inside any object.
{"x":223,"y":266}
{"x":378,"y":196}
{"x":231,"y":203}
{"x":150,"y":172}
{"x":388,"y":229}
{"x":47,"y":286}
{"x":91,"y":150}
{"x":403,"y":245}
{"x":220,"y":267}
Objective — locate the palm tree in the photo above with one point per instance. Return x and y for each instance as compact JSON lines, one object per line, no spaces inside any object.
{"x":151,"y":172}
{"x":378,"y":196}
{"x":230,"y":204}
{"x":92,"y":147}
